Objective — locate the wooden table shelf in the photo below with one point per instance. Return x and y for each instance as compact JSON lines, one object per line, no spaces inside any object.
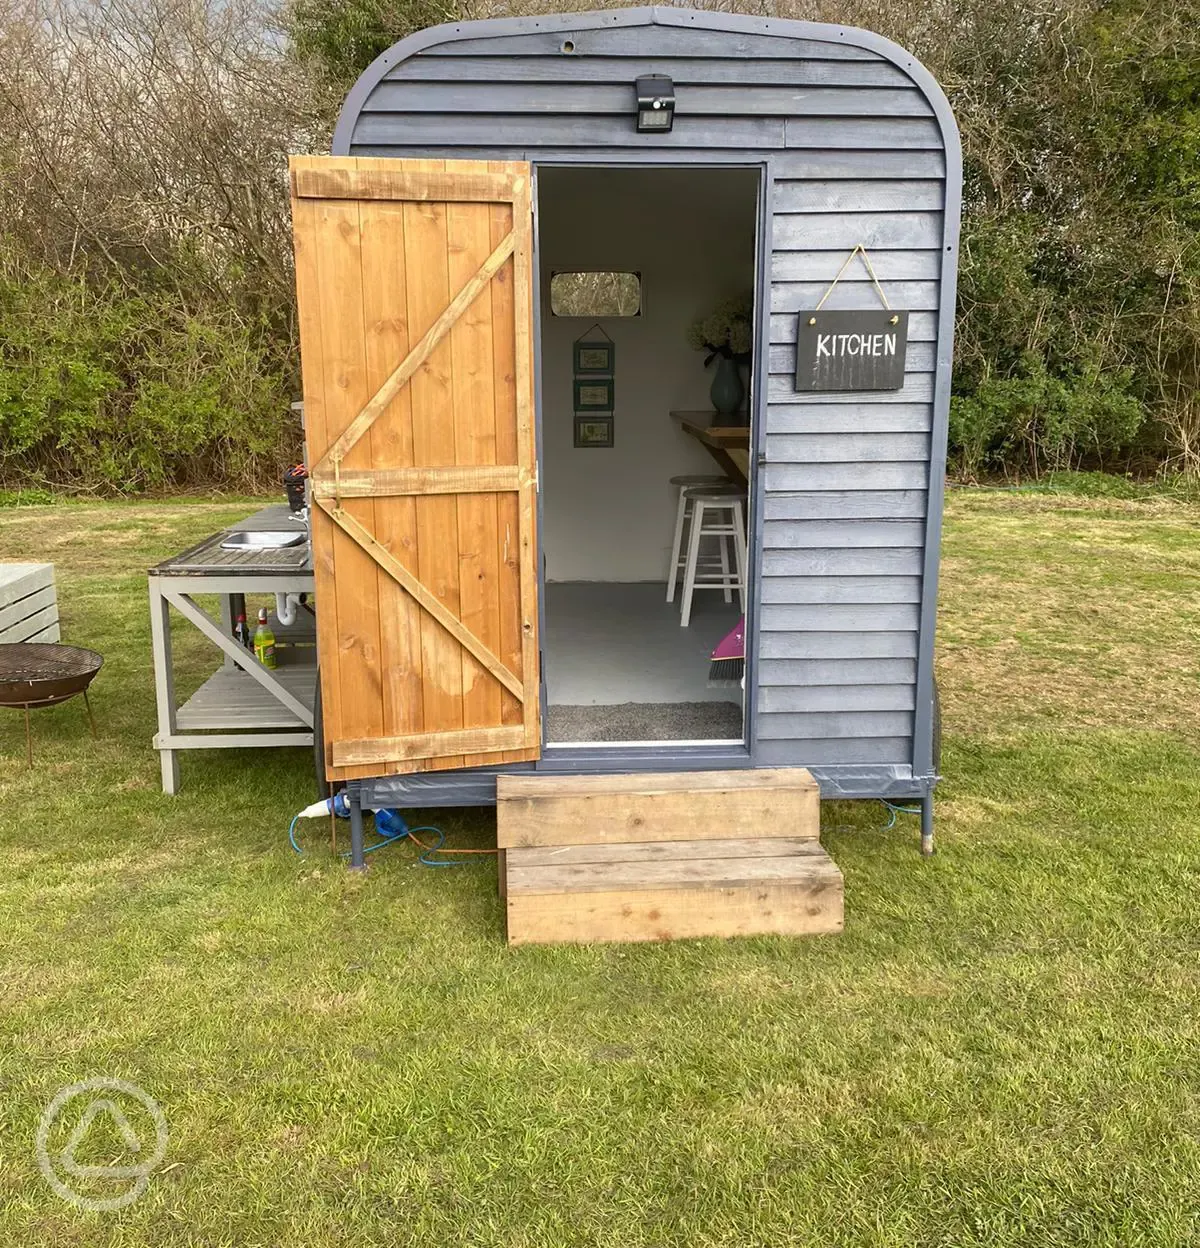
{"x":231,"y":700}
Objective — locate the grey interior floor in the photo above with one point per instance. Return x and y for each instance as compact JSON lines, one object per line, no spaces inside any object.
{"x":619,"y":667}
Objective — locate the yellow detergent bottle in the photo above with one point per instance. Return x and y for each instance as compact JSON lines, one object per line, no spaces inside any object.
{"x":264,"y":641}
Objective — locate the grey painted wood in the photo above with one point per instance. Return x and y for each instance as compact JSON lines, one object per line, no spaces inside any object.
{"x":625,"y":69}
{"x":648,"y":41}
{"x":229,"y":699}
{"x":889,"y":132}
{"x":783,"y":418}
{"x":824,"y":265}
{"x":878,"y":162}
{"x":802,"y":477}
{"x":784,"y":753}
{"x":803,"y":699}
{"x":839,"y":645}
{"x":846,"y":561}
{"x":464,"y":130}
{"x":828,"y":617}
{"x":854,"y":447}
{"x":843,"y":589}
{"x":571,"y":96}
{"x":922,"y":325}
{"x":862,"y":195}
{"x":811,"y":673}
{"x":842,"y":533}
{"x":836,"y":725}
{"x":917,"y":388}
{"x":838,"y":505}
{"x":844,"y":230}
{"x":804,"y":296}
{"x":861,"y":149}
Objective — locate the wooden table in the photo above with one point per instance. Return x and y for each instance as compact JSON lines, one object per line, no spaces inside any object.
{"x":729,"y":445}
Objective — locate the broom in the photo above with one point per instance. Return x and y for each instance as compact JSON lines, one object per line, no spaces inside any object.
{"x":728,"y":663}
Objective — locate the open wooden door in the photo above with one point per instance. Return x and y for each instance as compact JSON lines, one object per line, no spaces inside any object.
{"x":414,"y":282}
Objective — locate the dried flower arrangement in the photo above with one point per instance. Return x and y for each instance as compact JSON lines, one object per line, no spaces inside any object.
{"x":726,"y":331}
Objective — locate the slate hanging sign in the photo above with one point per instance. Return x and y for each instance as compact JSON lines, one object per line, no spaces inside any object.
{"x":859,"y":350}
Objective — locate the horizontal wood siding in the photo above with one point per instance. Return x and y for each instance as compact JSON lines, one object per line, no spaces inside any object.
{"x":857,"y":157}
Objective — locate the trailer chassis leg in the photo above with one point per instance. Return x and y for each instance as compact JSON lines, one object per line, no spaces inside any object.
{"x":357,"y":856}
{"x":927,"y":825}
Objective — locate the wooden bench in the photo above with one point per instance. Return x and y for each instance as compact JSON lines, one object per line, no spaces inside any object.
{"x":28,"y":602}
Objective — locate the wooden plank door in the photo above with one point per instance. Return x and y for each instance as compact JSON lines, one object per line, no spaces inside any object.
{"x":414,"y":284}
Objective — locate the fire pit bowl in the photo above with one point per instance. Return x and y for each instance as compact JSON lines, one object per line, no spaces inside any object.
{"x":37,"y":674}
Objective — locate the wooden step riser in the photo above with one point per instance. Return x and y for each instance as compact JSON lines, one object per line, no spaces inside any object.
{"x":552,"y":810}
{"x":676,"y":913}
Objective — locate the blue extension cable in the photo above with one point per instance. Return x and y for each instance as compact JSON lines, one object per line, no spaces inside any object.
{"x":898,"y":810}
{"x":391,"y":827}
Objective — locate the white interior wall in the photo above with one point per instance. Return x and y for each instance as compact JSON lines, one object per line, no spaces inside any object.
{"x":608,"y":513}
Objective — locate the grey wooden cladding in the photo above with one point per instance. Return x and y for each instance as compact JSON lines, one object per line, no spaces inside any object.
{"x":457,"y":133}
{"x":825,"y":617}
{"x":838,"y":645}
{"x":840,"y":589}
{"x":894,"y":751}
{"x":641,"y":41}
{"x":836,"y":725}
{"x":890,"y":132}
{"x":850,"y":697}
{"x":624,"y":70}
{"x":825,"y":265}
{"x":917,"y":388}
{"x":838,"y":533}
{"x":877,"y":163}
{"x":786,"y":478}
{"x":846,"y":505}
{"x":802,"y":296}
{"x":861,"y":195}
{"x":849,"y":447}
{"x":856,"y":155}
{"x":883,"y":417}
{"x":813,"y":673}
{"x":553,"y":98}
{"x":797,"y":231}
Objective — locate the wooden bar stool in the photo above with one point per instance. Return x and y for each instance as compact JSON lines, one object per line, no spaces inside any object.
{"x":682,"y":515}
{"x":717,"y":512}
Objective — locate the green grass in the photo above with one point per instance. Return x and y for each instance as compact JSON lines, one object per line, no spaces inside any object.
{"x":1002,"y":1048}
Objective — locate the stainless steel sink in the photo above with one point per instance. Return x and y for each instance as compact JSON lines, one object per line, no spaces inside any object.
{"x":262,"y":541}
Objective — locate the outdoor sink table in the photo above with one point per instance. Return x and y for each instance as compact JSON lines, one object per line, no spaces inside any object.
{"x":243,"y":703}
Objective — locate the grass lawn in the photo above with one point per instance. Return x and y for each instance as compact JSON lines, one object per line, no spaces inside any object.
{"x":1003,"y":1047}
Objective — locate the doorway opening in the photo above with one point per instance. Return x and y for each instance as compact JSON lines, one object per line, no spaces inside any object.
{"x":638,"y":268}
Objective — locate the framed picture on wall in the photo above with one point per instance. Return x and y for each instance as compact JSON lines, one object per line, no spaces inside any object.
{"x":593,"y":395}
{"x":593,"y":431}
{"x":595,"y":357}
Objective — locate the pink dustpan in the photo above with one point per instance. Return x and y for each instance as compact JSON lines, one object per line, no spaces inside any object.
{"x":729,"y":655}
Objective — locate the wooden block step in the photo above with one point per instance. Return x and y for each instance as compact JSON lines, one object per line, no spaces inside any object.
{"x":671,"y":890}
{"x":552,"y":809}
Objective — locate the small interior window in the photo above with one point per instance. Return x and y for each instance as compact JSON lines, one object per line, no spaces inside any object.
{"x":596,"y":294}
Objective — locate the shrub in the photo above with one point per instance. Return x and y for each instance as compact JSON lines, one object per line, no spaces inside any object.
{"x":126,"y":391}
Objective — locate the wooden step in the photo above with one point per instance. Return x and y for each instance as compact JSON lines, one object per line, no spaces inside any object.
{"x":554,"y":809}
{"x":634,"y":891}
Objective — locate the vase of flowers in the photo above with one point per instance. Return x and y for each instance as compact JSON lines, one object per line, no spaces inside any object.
{"x":726,"y":334}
